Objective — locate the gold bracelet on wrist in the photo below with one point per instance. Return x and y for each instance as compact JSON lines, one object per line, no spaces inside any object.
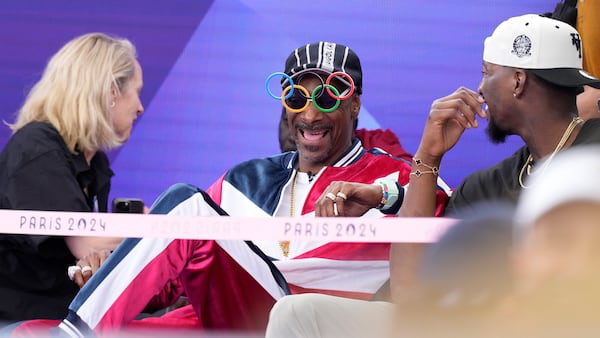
{"x":435,"y":171}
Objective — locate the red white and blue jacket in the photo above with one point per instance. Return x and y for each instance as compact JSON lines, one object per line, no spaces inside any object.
{"x":233,"y":284}
{"x":356,"y":270}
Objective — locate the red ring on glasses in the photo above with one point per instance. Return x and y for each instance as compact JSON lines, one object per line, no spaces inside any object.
{"x":342,"y":74}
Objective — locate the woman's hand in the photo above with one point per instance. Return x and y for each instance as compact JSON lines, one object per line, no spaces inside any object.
{"x":87,"y":266}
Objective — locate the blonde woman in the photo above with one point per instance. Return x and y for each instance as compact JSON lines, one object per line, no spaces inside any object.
{"x":85,"y":102}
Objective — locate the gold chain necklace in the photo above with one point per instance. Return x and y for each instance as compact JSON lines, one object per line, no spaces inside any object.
{"x":528,"y":163}
{"x":285,"y":245}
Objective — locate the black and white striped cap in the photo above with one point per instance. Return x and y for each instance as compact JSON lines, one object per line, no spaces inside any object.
{"x":327,"y":57}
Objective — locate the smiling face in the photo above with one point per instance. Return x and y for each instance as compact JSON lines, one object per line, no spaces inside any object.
{"x":127,"y":105}
{"x":322,"y":138}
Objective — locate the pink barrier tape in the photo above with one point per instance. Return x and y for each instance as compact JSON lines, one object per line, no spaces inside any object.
{"x":338,"y":229}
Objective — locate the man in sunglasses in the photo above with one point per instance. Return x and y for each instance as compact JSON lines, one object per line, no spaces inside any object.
{"x":233,"y":284}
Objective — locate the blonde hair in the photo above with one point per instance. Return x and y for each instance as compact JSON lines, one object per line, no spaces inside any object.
{"x":74,"y":92}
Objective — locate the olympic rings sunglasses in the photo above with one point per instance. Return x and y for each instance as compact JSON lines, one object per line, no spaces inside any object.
{"x":325,"y":97}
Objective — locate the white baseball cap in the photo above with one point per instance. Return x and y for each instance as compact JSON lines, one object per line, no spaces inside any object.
{"x":572,"y":176}
{"x":550,"y":48}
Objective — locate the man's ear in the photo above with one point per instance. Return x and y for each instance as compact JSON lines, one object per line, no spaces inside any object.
{"x":520,"y":77}
{"x":355,"y":106}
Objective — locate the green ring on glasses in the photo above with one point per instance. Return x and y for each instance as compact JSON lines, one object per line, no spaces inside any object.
{"x":314,"y":100}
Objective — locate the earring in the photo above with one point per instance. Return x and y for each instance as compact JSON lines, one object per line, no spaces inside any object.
{"x":515,"y":95}
{"x":112,"y":104}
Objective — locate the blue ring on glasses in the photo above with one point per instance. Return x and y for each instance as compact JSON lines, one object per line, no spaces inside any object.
{"x":285,"y":76}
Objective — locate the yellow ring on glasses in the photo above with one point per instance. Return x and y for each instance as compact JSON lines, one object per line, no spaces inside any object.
{"x":300,"y":88}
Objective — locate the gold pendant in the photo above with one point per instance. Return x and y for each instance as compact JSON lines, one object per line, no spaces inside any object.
{"x":285,"y":248}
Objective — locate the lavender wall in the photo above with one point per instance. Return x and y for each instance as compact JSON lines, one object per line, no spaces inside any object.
{"x":205,"y":63}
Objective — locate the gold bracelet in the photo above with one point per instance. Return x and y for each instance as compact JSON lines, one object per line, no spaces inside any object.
{"x":435,"y":171}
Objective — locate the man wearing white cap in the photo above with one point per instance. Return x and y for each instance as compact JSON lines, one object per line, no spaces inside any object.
{"x":532,"y":73}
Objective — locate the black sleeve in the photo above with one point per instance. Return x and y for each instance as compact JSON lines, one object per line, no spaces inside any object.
{"x":46,"y":183}
{"x":458,"y":200}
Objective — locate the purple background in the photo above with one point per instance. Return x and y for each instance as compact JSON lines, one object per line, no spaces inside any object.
{"x":205,"y":64}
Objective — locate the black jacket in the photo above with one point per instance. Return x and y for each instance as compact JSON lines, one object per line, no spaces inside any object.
{"x":37,"y":172}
